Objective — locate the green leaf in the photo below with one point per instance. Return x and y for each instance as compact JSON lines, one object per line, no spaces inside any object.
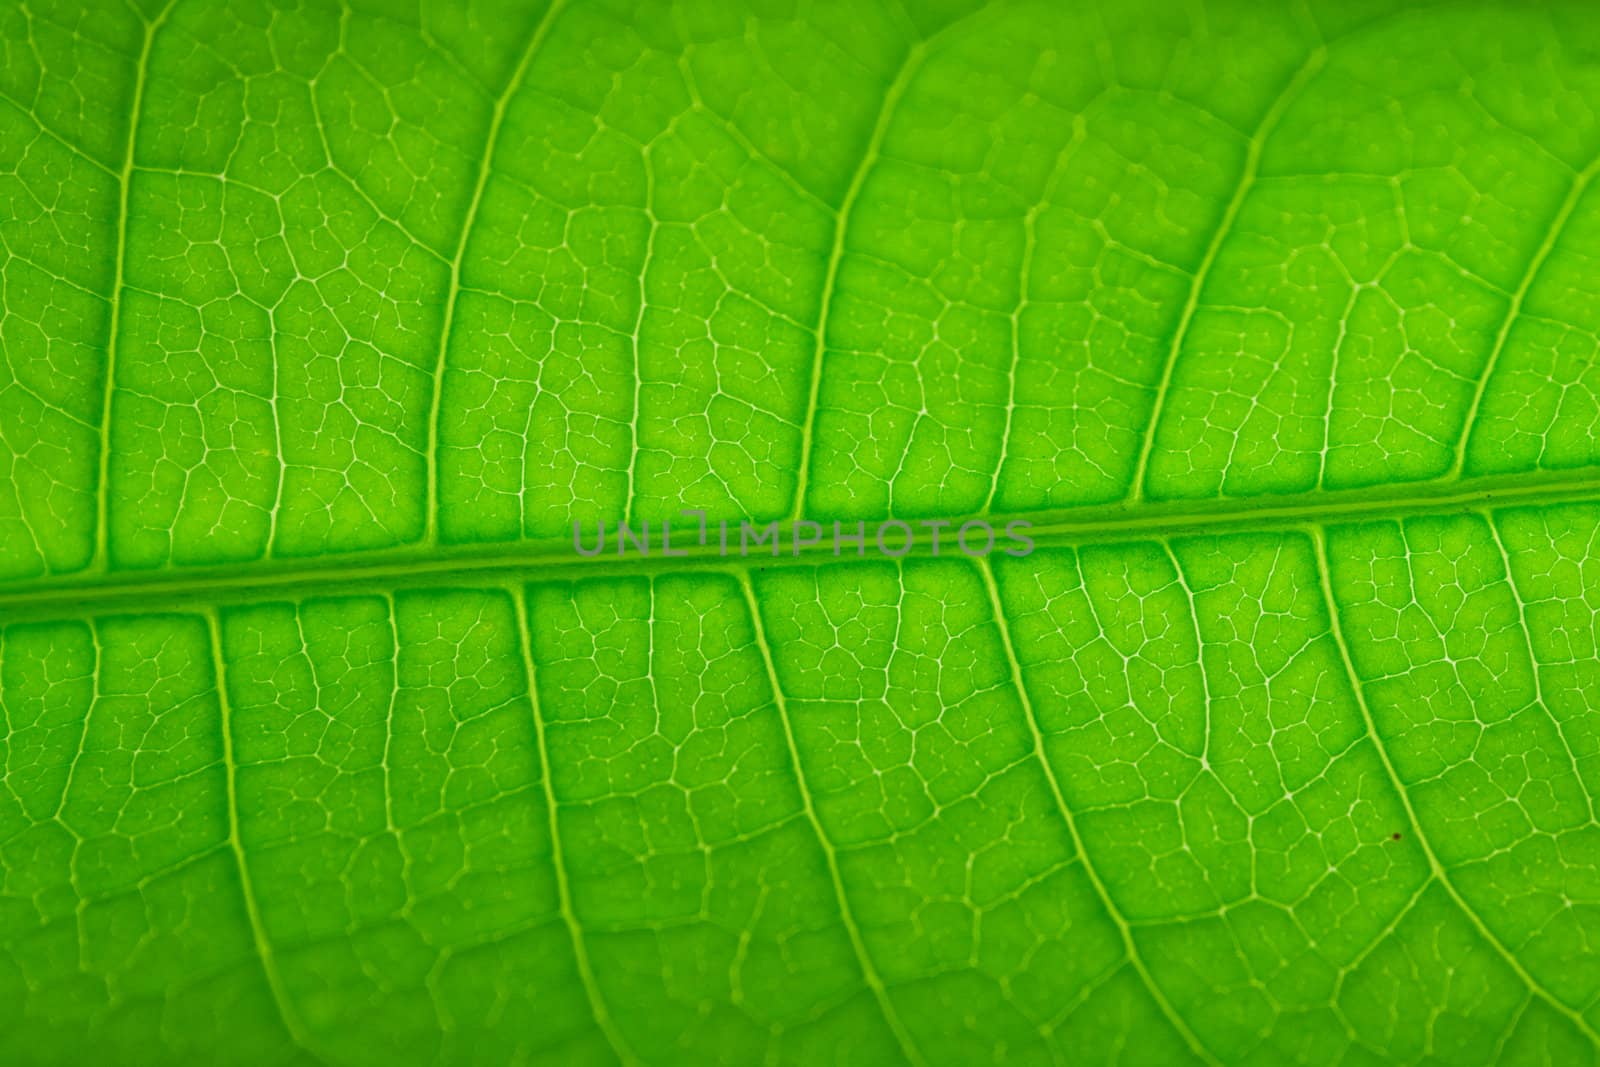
{"x":321,"y":324}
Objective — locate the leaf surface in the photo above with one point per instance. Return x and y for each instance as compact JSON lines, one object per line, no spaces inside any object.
{"x":320,"y":325}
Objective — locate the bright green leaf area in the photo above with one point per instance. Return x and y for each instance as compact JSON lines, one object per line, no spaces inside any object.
{"x":321,"y":322}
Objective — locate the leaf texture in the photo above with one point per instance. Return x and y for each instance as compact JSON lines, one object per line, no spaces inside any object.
{"x":322,"y":323}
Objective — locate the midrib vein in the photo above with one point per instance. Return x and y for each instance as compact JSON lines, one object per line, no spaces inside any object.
{"x":89,"y":591}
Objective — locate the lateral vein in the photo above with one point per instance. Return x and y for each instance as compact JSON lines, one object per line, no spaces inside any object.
{"x":102,"y":525}
{"x":1246,"y":182}
{"x":468,"y":222}
{"x":869,"y":970}
{"x":1129,"y":946}
{"x":1440,"y":874}
{"x":258,"y":931}
{"x":1558,"y":224}
{"x":569,"y":916}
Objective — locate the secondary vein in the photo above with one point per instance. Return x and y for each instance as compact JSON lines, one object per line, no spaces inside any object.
{"x":290,"y":1016}
{"x":102,"y":525}
{"x":1442,"y":876}
{"x":1129,"y":946}
{"x":1246,"y":182}
{"x":569,"y":916}
{"x":453,"y":296}
{"x":869,"y":970}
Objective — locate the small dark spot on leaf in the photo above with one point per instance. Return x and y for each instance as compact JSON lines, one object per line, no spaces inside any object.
{"x":1396,"y":835}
